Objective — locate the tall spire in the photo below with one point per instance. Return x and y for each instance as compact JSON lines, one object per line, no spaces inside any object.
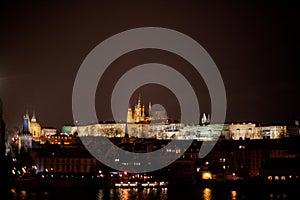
{"x":143,"y":112}
{"x":204,"y":119}
{"x":26,"y":123}
{"x":33,"y":119}
{"x":149,"y":107}
{"x":26,"y":116}
{"x":139,"y":100}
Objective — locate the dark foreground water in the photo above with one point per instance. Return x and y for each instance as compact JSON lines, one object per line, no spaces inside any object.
{"x":153,"y":194}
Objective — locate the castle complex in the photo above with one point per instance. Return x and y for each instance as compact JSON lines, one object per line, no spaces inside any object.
{"x":138,"y":114}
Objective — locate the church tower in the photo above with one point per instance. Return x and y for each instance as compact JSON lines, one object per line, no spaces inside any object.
{"x":35,"y":129}
{"x":205,"y":120}
{"x":138,"y":111}
{"x":26,"y":123}
{"x":138,"y":114}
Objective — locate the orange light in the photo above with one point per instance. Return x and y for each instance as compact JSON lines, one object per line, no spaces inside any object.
{"x":206,"y":175}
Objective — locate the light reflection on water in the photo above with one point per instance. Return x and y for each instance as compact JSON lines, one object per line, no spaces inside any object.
{"x":233,"y":194}
{"x":207,"y":194}
{"x":146,"y":194}
{"x":133,"y":193}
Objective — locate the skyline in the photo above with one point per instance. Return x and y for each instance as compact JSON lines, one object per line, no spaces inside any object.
{"x":254,"y":45}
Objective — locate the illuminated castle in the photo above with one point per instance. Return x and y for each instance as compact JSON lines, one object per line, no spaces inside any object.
{"x":138,"y":114}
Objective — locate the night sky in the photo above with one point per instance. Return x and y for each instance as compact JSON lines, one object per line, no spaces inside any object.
{"x":255,"y":46}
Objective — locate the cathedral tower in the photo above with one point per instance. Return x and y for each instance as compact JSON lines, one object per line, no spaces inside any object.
{"x":138,"y":114}
{"x":35,"y":129}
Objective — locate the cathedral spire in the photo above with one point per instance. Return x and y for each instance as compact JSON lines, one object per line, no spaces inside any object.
{"x":26,"y":116}
{"x":149,"y":107}
{"x":139,"y":100}
{"x":204,"y":119}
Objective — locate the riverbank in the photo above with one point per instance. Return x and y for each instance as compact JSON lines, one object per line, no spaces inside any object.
{"x":256,"y":185}
{"x":40,"y":184}
{"x":56,"y":183}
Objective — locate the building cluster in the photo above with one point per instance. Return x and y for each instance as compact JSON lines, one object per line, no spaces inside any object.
{"x":266,"y":160}
{"x":33,"y":134}
{"x":248,"y":159}
{"x":31,"y":126}
{"x":140,"y":115}
{"x":138,"y":125}
{"x":242,"y":150}
{"x":65,"y":161}
{"x":207,"y":132}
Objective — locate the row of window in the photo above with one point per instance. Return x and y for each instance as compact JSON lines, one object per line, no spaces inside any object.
{"x":279,"y":153}
{"x":66,"y":168}
{"x":189,"y":156}
{"x":283,"y":178}
{"x":64,"y":160}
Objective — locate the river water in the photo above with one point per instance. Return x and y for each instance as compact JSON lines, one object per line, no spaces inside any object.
{"x":151,"y":194}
